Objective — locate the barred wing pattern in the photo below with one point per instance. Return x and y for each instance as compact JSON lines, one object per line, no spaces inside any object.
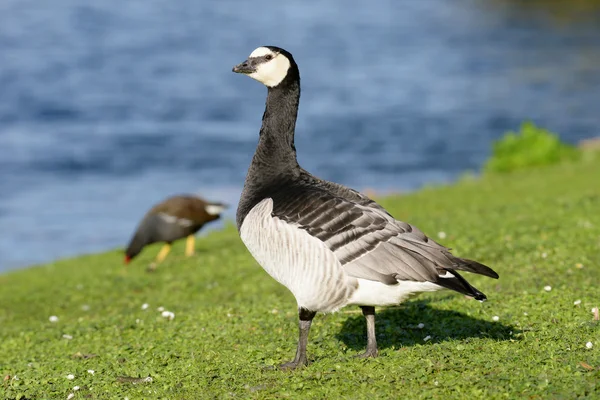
{"x":371,"y":244}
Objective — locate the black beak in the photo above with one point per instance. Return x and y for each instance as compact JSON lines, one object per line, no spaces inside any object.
{"x":247,"y":67}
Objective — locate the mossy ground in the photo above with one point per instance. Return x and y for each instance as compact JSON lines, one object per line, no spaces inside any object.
{"x":233,"y":323}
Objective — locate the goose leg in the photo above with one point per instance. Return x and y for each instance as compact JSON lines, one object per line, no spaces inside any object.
{"x":369,"y":313}
{"x":189,"y":245}
{"x":305,"y":319}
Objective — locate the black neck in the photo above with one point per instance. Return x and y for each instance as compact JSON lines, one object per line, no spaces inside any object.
{"x":276,"y":152}
{"x":275,"y":157}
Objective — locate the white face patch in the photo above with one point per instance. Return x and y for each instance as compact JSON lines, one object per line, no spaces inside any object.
{"x":271,"y":72}
{"x":261,"y":51}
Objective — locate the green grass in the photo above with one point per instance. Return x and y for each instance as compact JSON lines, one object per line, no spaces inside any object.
{"x":233,"y":323}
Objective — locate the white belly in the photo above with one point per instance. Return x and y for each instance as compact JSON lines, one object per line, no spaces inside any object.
{"x":299,"y":261}
{"x":373,"y":293}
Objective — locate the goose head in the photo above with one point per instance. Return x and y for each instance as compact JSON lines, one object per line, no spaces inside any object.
{"x":269,"y":65}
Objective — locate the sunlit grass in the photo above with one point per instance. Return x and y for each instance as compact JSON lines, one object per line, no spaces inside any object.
{"x":232,"y":323}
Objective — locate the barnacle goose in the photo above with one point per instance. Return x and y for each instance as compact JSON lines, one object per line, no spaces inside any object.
{"x":329,"y":245}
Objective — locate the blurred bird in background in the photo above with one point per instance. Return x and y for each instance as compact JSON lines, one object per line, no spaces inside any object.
{"x":175,"y":218}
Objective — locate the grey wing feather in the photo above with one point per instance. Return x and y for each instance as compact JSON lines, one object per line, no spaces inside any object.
{"x":370,"y":243}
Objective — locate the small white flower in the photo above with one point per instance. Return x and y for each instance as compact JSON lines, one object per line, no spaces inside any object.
{"x":148,"y":379}
{"x":525,"y":314}
{"x":70,"y":396}
{"x":421,"y":325}
{"x":70,"y":377}
{"x":229,"y":315}
{"x":75,"y":388}
{"x":85,"y":307}
{"x":495,"y":318}
{"x":274,"y":311}
{"x":68,"y":337}
{"x":442,"y":235}
{"x":168,"y":315}
{"x":91,"y":371}
{"x":589,"y":345}
{"x":53,"y":318}
{"x":436,"y":383}
{"x":160,"y":309}
{"x":544,"y":255}
{"x":137,"y":321}
{"x":577,"y":302}
{"x":427,"y":338}
{"x":547,"y":288}
{"x":145,"y":306}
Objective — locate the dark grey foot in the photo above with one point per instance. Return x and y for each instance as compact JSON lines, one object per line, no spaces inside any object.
{"x":292,"y":365}
{"x":368,"y":354}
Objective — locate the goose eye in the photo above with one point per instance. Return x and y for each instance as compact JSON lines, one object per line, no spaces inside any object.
{"x":269,"y":57}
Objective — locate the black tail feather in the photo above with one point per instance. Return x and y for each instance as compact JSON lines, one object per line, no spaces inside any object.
{"x":460,"y":284}
{"x":474,"y":267}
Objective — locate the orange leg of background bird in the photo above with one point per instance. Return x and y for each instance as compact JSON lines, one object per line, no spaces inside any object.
{"x":190,"y":245}
{"x":163,"y":253}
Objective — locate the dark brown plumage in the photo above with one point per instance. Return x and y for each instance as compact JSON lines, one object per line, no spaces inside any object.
{"x":175,"y":218}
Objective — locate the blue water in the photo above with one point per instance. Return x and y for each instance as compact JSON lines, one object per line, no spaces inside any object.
{"x":107,"y":107}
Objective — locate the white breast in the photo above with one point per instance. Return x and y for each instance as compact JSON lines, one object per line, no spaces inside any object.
{"x":296,"y":259}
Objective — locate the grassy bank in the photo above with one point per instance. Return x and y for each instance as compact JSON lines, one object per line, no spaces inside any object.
{"x":232,"y":322}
